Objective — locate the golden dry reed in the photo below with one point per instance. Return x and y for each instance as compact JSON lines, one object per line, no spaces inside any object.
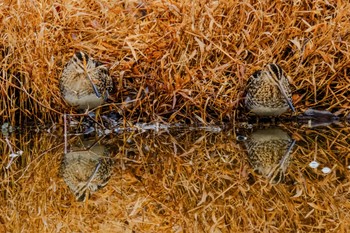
{"x":179,"y":182}
{"x":175,"y":61}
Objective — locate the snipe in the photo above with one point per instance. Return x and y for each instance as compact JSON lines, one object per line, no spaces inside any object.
{"x":269,"y":153}
{"x":85,"y":83}
{"x":268,"y":92}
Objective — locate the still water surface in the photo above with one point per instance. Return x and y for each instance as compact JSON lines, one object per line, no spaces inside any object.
{"x":275,"y":179}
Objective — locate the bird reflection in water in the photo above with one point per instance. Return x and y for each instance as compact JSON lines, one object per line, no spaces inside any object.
{"x":86,"y":170}
{"x":269,"y":153}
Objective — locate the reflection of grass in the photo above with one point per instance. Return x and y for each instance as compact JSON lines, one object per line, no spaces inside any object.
{"x":198,"y":181}
{"x":185,"y":61}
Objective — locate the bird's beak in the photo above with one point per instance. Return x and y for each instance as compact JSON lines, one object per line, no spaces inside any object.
{"x":98,"y":94}
{"x":289,"y":101}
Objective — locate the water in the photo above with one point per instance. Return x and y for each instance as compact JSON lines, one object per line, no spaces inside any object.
{"x":161,"y":179}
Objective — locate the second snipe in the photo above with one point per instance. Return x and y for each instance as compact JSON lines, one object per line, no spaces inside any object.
{"x":268,"y":92}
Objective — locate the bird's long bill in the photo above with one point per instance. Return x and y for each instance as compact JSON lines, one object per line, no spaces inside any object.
{"x":286,"y":155}
{"x":289,"y":101}
{"x":84,"y":67}
{"x":98,"y":94}
{"x":279,"y":170}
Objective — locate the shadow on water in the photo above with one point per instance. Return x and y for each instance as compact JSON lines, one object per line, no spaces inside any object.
{"x":172,"y":180}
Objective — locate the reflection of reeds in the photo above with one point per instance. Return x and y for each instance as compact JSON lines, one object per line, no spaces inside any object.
{"x":179,"y":61}
{"x":193,"y":180}
{"x":328,"y":146}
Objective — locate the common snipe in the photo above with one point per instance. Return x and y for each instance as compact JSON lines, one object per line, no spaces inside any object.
{"x":85,"y":83}
{"x":268,"y":92}
{"x":86,"y":171}
{"x":269,"y":152}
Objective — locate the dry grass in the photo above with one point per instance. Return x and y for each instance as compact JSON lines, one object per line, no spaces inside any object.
{"x":179,"y":182}
{"x":179,"y":61}
{"x":185,"y":61}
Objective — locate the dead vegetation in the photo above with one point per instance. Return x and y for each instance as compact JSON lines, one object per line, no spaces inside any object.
{"x":173,"y":61}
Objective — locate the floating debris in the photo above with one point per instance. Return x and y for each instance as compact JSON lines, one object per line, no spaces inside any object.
{"x":319,"y":113}
{"x":107,"y":131}
{"x":89,"y":130}
{"x":156,"y":126}
{"x":6,"y":128}
{"x":12,"y":157}
{"x":143,"y":127}
{"x":209,"y":128}
{"x":326,"y":170}
{"x":314,"y":164}
{"x":315,"y":118}
{"x":245,"y":125}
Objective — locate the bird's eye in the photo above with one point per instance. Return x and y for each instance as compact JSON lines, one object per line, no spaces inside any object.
{"x":98,"y":63}
{"x":256,"y":74}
